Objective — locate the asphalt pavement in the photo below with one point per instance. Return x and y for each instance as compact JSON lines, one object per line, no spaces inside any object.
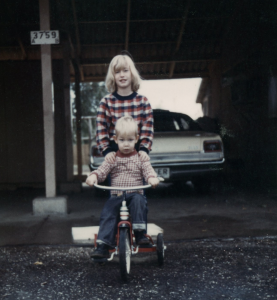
{"x":193,"y":270}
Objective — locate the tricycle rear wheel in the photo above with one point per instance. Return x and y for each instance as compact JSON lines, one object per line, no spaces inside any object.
{"x":160,"y":249}
{"x":124,"y":253}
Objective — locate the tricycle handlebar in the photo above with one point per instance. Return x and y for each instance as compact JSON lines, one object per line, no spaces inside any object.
{"x":130,"y":188}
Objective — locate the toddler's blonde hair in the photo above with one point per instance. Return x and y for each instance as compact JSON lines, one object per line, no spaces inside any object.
{"x":126,"y":124}
{"x":118,"y":63}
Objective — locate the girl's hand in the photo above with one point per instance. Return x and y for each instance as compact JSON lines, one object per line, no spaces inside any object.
{"x":110,"y":157}
{"x":91,"y":180}
{"x":153,"y":181}
{"x":143,"y":156}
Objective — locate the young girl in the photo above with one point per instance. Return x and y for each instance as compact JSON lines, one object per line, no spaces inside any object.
{"x":123,"y":82}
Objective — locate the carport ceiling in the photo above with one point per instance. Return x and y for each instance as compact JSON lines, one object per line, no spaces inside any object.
{"x":167,"y":38}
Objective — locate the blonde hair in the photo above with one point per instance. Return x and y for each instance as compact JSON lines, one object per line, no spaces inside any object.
{"x":118,"y":63}
{"x":126,"y":124}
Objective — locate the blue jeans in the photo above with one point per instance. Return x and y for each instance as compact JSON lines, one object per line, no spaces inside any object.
{"x":109,"y":219}
{"x":146,"y":210}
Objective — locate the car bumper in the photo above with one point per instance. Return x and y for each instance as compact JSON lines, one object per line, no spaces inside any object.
{"x":189,"y":171}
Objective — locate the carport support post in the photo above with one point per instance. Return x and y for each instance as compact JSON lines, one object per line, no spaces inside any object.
{"x":51,"y":204}
{"x":215,"y":97}
{"x":48,"y":118}
{"x":78,"y":119}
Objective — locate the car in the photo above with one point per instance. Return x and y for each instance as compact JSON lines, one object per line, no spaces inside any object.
{"x":181,"y":150}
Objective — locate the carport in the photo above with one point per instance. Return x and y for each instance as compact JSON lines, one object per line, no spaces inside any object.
{"x":228,"y":43}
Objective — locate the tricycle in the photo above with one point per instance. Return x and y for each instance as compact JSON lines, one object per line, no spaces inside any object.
{"x":125,"y":247}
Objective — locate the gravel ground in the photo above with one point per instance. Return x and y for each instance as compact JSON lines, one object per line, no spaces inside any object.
{"x":204,"y":269}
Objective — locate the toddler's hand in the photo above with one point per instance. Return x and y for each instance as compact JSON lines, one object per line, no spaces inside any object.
{"x":143,"y":156}
{"x":91,"y":180}
{"x":153,"y":181}
{"x":110,"y":158}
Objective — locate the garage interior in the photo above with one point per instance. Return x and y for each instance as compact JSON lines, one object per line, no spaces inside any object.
{"x":230,"y":44}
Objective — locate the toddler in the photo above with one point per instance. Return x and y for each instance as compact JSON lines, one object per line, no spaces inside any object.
{"x":126,"y":170}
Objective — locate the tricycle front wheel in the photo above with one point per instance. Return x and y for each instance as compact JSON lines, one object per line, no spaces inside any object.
{"x":124,"y":253}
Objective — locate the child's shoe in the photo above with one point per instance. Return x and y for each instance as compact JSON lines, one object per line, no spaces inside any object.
{"x":141,"y":239}
{"x":101,"y":251}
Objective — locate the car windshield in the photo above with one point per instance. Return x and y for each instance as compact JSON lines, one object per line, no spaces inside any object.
{"x":170,"y":121}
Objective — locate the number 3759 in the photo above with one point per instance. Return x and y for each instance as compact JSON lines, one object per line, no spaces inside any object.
{"x":44,"y":34}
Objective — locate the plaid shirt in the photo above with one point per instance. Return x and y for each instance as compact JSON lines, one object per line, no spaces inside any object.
{"x":127,"y":170}
{"x":113,"y":107}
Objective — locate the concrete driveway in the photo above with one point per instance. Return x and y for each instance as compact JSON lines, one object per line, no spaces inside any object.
{"x":183,"y":213}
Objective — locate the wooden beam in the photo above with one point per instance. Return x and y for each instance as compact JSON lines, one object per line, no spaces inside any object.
{"x":72,"y":52}
{"x":230,"y":55}
{"x":131,"y":21}
{"x":14,"y":27}
{"x":64,"y":23}
{"x":33,"y":52}
{"x":187,"y":41}
{"x":188,"y":74}
{"x":171,"y":68}
{"x":15,"y":53}
{"x":78,"y":50}
{"x":68,"y":109}
{"x":24,"y":55}
{"x":195,"y":74}
{"x":153,"y":20}
{"x":152,"y":60}
{"x":179,"y":40}
{"x":77,"y":35}
{"x":127,"y":25}
{"x":78,"y":119}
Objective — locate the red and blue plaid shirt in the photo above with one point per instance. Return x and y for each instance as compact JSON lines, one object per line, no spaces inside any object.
{"x":113,"y":107}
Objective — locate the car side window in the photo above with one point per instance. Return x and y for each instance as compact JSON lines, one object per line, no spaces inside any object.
{"x":176,"y":125}
{"x":185,"y":125}
{"x":170,"y":122}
